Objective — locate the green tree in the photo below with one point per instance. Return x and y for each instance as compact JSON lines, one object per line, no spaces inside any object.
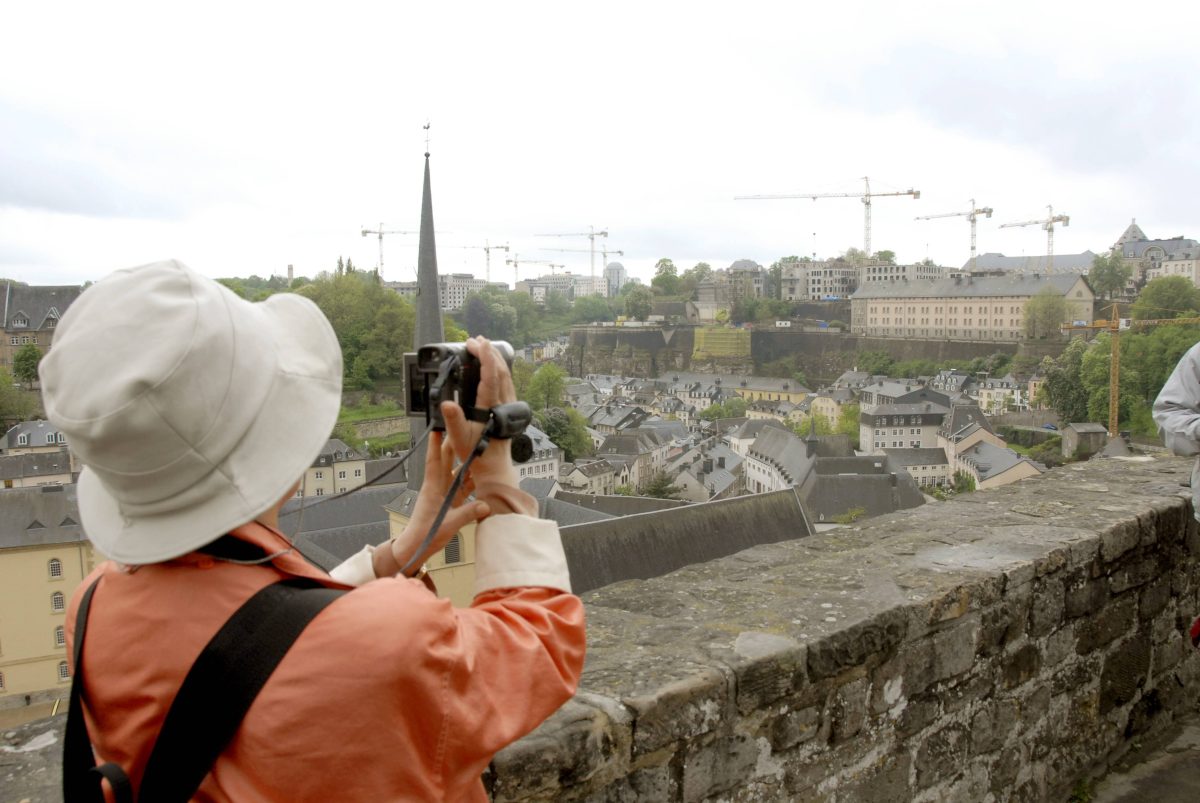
{"x":1063,"y":389}
{"x":1045,"y":313}
{"x":1109,"y":273}
{"x":874,"y":363}
{"x":557,"y":304}
{"x":546,"y":387}
{"x":522,"y":375}
{"x":589,"y":309}
{"x":476,"y":315}
{"x":811,"y":424}
{"x":625,"y":490}
{"x":638,"y":303}
{"x":567,"y":428}
{"x":25,"y":364}
{"x":730,"y":408}
{"x":15,"y":404}
{"x":691,"y":278}
{"x":1167,"y":297}
{"x":853,"y":255}
{"x":848,"y":422}
{"x":888,"y":257}
{"x":659,"y":486}
{"x":666,"y":278}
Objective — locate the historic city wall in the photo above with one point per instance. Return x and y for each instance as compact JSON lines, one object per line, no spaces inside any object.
{"x":823,"y":356}
{"x":1001,"y":646}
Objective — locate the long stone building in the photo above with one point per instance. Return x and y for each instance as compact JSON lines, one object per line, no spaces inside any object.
{"x":963,"y":307}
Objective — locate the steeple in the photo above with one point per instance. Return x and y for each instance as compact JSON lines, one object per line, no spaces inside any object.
{"x":428,"y":328}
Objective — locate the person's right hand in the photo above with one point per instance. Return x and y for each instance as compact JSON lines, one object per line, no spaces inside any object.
{"x":492,"y":472}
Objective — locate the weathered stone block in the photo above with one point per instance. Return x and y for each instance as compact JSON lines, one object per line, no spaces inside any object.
{"x":1075,"y":675}
{"x":1020,"y":666}
{"x":991,"y":725}
{"x":1085,"y":596}
{"x":1154,"y":598}
{"x":873,"y":640}
{"x":715,"y":765}
{"x":580,"y":745}
{"x":941,"y":754}
{"x":943,"y":654}
{"x":1046,"y":611}
{"x":1125,"y":670}
{"x":1119,"y":539}
{"x":1117,"y":619}
{"x":683,"y":708}
{"x":1004,"y":623}
{"x":765,"y":667}
{"x":793,"y":727}
{"x":1134,"y":575}
{"x":883,"y":782}
{"x":965,"y":691}
{"x":849,"y":710}
{"x":919,"y":714}
{"x":1058,"y":647}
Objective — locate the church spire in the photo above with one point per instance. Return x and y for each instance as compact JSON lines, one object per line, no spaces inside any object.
{"x":428,"y":328}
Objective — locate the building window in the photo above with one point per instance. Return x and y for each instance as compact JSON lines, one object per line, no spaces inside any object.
{"x":58,"y":603}
{"x":60,"y":636}
{"x":320,"y":492}
{"x":63,"y":674}
{"x":454,"y":550}
{"x":14,"y":341}
{"x":320,"y":475}
{"x":341,"y":475}
{"x":51,"y":438}
{"x":55,"y":568}
{"x":1,"y":681}
{"x":358,"y":472}
{"x":20,"y":323}
{"x":62,"y":438}
{"x":23,"y":439}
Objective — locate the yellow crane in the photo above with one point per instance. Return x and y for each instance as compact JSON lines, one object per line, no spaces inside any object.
{"x":1114,"y":326}
{"x":864,"y":196}
{"x":971,"y":215}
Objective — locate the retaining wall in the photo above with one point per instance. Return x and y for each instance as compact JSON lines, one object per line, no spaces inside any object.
{"x":997,"y":647}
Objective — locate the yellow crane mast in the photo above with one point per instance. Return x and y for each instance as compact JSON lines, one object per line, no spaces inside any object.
{"x":1114,"y":326}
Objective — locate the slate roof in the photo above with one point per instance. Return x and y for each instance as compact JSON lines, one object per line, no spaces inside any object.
{"x":787,"y":453}
{"x":1014,"y":284}
{"x":1133,"y":232}
{"x":962,"y":420}
{"x":538,"y":487}
{"x":920,"y":408}
{"x":1085,"y":429}
{"x":385,"y":465}
{"x":1075,"y":263}
{"x":593,"y":468}
{"x":336,"y":451}
{"x":618,"y":504}
{"x":652,"y":544}
{"x":917,"y":457}
{"x":1136,"y":250}
{"x":38,"y":305}
{"x":36,"y":432}
{"x":19,"y":466}
{"x":991,"y":461}
{"x":884,"y":490}
{"x":47,"y":514}
{"x":566,"y":514}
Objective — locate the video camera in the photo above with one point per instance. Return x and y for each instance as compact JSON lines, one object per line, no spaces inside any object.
{"x":441,"y":372}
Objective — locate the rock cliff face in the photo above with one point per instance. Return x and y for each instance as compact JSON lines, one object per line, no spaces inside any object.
{"x":1001,"y":647}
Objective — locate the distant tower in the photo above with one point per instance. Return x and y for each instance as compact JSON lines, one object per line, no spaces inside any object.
{"x":428,"y":327}
{"x":615,"y":277}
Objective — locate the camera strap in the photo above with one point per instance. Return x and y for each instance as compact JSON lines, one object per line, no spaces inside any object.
{"x":211,"y":703}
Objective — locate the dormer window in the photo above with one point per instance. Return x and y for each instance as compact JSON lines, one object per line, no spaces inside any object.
{"x":20,"y":322}
{"x":23,"y":439}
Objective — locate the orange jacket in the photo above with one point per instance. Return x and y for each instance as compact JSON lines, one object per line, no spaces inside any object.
{"x":389,"y":694}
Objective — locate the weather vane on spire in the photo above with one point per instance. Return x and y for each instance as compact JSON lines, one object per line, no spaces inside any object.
{"x":426,"y":127}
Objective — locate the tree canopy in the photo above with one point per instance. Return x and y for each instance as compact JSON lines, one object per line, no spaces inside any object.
{"x":1109,"y":273}
{"x":25,"y":364}
{"x":567,"y":428}
{"x":546,"y":387}
{"x":666,"y":278}
{"x":639,"y":302}
{"x":1167,"y":297}
{"x":1045,"y":313}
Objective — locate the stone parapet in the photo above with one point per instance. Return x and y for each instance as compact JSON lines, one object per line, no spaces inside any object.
{"x":1000,"y":646}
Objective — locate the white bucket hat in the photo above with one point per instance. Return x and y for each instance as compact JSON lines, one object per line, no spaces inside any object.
{"x":192,"y":410}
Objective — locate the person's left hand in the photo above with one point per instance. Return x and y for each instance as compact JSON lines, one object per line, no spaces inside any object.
{"x":391,"y":557}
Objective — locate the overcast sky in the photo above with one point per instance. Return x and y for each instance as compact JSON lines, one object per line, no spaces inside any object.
{"x":244,"y":137}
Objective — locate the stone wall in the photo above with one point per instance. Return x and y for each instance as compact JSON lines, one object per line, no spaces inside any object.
{"x":381,"y":427}
{"x":997,"y":647}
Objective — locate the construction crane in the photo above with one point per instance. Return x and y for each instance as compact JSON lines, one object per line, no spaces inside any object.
{"x":517,"y":262}
{"x":591,"y":234}
{"x":1048,"y":225}
{"x":487,"y":249}
{"x":971,"y":216}
{"x":865,"y":196}
{"x":1114,"y":326}
{"x":380,"y":232}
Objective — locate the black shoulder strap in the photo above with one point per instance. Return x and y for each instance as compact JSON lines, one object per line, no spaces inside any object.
{"x":211,"y":703}
{"x":81,"y":776}
{"x":224,"y":681}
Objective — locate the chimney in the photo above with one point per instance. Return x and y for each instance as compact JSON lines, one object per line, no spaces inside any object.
{"x":708,"y":465}
{"x":720,"y":462}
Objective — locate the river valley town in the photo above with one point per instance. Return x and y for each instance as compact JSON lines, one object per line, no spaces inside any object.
{"x":846,"y":527}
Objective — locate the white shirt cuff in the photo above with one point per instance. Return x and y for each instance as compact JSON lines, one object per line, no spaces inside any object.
{"x":356,"y":570}
{"x":516,"y":551}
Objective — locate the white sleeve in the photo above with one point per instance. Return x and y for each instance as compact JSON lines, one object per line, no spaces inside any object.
{"x":516,"y":551}
{"x":357,"y":569}
{"x":1177,"y":408}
